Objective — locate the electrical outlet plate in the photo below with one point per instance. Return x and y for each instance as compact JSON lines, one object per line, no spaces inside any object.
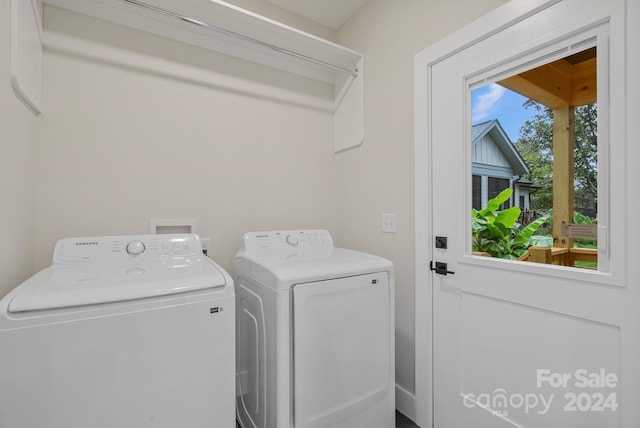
{"x":206,"y":246}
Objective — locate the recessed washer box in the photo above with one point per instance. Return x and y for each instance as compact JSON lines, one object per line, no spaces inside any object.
{"x":173,"y":225}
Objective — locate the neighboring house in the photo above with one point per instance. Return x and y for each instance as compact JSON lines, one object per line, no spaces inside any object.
{"x":497,"y":165}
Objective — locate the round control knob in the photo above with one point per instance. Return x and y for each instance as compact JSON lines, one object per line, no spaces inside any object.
{"x":292,"y":240}
{"x":135,"y":248}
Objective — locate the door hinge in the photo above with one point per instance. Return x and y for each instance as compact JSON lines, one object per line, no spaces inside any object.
{"x":440,"y":268}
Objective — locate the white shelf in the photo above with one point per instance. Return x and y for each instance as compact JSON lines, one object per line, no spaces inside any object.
{"x":278,"y":46}
{"x":26,"y":52}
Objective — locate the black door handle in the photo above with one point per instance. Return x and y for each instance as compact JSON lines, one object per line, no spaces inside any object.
{"x":440,"y":268}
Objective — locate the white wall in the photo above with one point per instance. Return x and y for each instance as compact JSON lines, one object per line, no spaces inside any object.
{"x":165,"y":129}
{"x":138,"y":127}
{"x":378,"y":177}
{"x":18,"y":127}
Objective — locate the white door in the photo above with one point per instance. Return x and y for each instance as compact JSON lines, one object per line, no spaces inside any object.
{"x":518,"y":344}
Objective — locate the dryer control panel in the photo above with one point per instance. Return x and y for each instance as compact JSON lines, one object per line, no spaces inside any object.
{"x":286,"y":239}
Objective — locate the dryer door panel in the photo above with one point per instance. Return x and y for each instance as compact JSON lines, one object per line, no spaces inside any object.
{"x":341,"y":349}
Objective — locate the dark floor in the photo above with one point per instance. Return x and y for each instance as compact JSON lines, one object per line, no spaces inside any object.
{"x":401,"y":421}
{"x":404,"y":422}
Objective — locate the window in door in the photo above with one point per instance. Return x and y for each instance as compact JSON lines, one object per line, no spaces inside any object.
{"x":534,"y":139}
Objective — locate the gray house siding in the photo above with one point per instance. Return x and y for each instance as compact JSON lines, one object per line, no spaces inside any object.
{"x":497,"y":163}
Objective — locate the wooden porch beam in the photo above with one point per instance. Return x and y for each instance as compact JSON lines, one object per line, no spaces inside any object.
{"x":557,"y":84}
{"x":550,"y":84}
{"x":563,"y":173}
{"x":584,"y":84}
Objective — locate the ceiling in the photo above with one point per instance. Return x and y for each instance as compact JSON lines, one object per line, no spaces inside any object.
{"x":570,"y":81}
{"x":330,"y":13}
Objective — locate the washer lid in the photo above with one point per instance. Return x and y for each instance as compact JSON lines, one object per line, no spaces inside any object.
{"x":61,"y":286}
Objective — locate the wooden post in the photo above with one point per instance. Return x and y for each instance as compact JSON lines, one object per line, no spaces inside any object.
{"x":563,"y":173}
{"x":540,"y":254}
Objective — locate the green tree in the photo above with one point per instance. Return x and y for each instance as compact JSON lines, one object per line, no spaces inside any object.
{"x":535,"y":144}
{"x":586,"y":154}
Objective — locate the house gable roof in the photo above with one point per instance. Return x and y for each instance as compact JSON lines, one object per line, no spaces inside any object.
{"x":502,"y":141}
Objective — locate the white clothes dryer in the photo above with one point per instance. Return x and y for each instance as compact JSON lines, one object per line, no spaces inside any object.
{"x":121,"y":331}
{"x":315,"y":333}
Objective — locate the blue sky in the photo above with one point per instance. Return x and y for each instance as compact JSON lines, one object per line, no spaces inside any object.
{"x":496,"y":102}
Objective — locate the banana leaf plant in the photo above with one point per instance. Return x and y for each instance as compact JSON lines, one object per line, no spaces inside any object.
{"x":498,"y":232}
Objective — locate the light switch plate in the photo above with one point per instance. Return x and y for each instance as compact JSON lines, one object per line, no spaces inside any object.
{"x":389,"y":223}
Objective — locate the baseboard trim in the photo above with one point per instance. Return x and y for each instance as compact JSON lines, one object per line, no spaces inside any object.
{"x":406,"y":402}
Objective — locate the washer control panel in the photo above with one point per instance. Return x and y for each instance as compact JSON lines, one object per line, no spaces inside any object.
{"x":126,"y":247}
{"x":286,"y":239}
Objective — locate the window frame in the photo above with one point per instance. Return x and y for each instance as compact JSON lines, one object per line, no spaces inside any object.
{"x":597,"y":36}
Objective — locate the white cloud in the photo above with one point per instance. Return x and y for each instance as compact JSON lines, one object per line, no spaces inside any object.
{"x":483,"y":105}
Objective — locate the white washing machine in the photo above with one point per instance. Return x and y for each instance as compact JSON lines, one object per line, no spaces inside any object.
{"x":122,"y":331}
{"x":315,"y":333}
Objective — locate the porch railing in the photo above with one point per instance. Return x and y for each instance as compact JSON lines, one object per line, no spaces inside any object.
{"x":560,"y":256}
